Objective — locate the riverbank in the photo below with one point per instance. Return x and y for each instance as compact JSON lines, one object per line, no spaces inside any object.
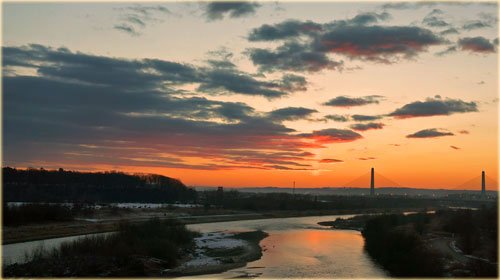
{"x":221,"y":251}
{"x":427,"y":244}
{"x":93,"y":225}
{"x":100,"y":256}
{"x":296,"y":248}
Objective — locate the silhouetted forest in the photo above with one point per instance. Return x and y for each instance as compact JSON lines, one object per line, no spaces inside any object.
{"x":40,"y":185}
{"x":394,"y":243}
{"x":476,"y":231}
{"x":15,"y":215}
{"x":285,"y":201}
{"x":401,"y":243}
{"x":134,"y":250}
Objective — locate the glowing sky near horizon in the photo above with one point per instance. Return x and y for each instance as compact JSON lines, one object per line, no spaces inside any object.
{"x":254,"y":93}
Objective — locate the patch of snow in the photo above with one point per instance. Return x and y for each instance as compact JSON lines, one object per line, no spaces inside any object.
{"x":201,"y":260}
{"x":216,"y":240}
{"x":153,"y":205}
{"x":212,"y":240}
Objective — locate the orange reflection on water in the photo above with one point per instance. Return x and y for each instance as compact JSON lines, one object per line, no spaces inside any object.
{"x":315,"y":253}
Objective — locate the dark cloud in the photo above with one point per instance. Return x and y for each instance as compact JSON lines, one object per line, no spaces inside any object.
{"x":369,"y":18}
{"x":386,"y":44}
{"x":330,"y":160}
{"x":430,"y":133}
{"x":464,"y":132}
{"x":292,"y":83}
{"x":365,"y":118}
{"x":145,"y":74}
{"x":290,"y":29}
{"x":434,"y":107}
{"x":284,"y":30}
{"x":81,"y":109}
{"x":332,"y":135}
{"x":292,"y":56}
{"x":434,"y":19}
{"x":337,"y":118}
{"x":476,"y":44}
{"x":217,"y":10}
{"x":291,"y":113}
{"x":346,"y":101}
{"x":367,"y":126}
{"x":448,"y":31}
{"x":223,"y":81}
{"x":449,"y":50}
{"x":221,"y":63}
{"x":436,"y":12}
{"x":159,"y":129}
{"x":307,"y":46}
{"x":455,"y":147}
{"x":476,"y":24}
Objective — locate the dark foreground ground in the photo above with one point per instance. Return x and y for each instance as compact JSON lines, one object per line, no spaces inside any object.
{"x":148,"y":249}
{"x":447,"y":243}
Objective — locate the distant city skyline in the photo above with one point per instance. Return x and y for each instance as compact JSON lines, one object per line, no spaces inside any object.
{"x":254,"y":93}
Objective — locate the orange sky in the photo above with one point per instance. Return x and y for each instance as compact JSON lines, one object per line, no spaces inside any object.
{"x":187,"y":94}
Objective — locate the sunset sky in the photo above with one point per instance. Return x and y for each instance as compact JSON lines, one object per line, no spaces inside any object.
{"x":254,"y":93}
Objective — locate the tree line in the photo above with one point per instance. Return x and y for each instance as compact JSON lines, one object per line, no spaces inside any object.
{"x":40,"y":185}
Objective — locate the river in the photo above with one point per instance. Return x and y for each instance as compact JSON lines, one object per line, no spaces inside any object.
{"x":300,"y":248}
{"x":295,"y":248}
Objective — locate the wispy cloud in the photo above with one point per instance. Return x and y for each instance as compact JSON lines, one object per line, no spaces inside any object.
{"x":367,"y":158}
{"x":134,"y":19}
{"x":330,"y":160}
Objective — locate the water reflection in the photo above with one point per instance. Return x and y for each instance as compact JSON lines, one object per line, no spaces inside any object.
{"x":299,"y":248}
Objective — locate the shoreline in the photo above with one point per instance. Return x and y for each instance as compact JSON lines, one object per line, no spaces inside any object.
{"x":10,"y":235}
{"x":249,"y":250}
{"x":13,"y":235}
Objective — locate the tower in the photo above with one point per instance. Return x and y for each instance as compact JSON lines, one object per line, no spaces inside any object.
{"x":483,"y":184}
{"x":372,"y":182}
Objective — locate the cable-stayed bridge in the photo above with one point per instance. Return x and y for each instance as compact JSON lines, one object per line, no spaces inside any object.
{"x":475,"y":183}
{"x":378,"y":180}
{"x":364,"y":181}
